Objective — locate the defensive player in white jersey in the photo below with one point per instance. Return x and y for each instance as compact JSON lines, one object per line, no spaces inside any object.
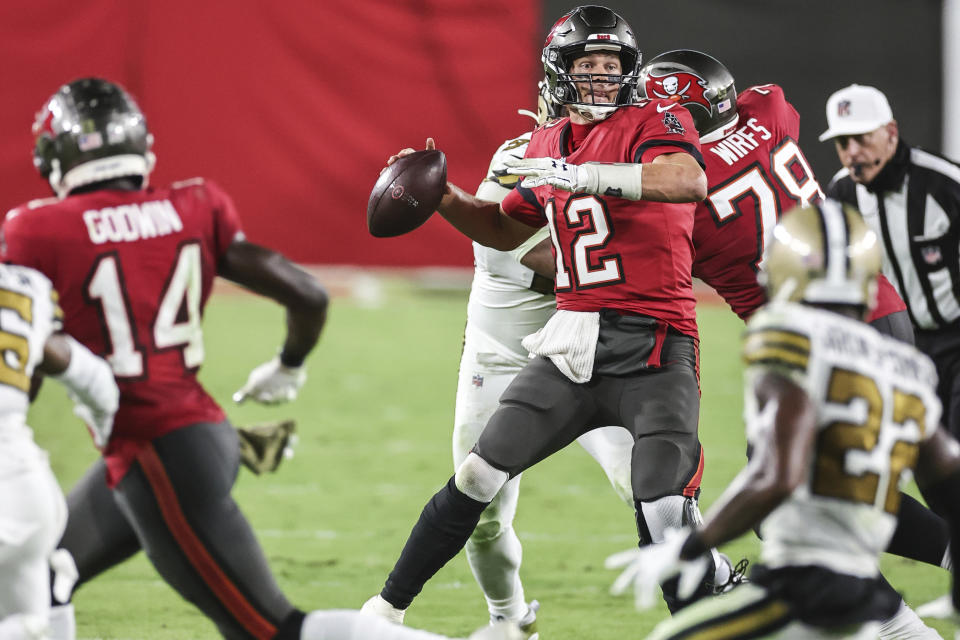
{"x":835,"y":413}
{"x":33,"y":511}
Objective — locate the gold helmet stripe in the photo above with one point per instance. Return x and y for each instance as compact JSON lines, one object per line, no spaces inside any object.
{"x":836,"y":235}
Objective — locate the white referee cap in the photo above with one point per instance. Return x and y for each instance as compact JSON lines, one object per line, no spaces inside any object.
{"x":854,"y":110}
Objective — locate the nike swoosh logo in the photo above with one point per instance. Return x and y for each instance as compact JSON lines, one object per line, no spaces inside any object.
{"x":662,"y":109}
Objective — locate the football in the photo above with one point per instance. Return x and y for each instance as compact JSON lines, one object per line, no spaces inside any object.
{"x":407,"y":193}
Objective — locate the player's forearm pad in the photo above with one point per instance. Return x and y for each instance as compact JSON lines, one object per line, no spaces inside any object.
{"x":620,"y":180}
{"x":90,"y":379}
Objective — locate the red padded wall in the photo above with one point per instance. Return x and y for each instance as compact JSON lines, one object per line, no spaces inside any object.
{"x":292,"y":106}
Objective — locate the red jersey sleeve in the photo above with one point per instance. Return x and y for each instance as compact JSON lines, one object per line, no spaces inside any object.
{"x":227,"y":227}
{"x":522,"y":205}
{"x":19,"y":239}
{"x":669,"y":129}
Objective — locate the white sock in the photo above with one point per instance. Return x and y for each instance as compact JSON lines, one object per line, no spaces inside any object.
{"x":23,"y":626}
{"x":906,"y":625}
{"x":496,"y":566}
{"x":353,"y":625}
{"x":721,"y":568}
{"x":63,"y":625}
{"x":662,"y":514}
{"x":947,"y":562}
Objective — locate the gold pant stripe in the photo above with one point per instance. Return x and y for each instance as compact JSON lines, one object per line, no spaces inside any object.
{"x":738,"y":625}
{"x":746,"y":612}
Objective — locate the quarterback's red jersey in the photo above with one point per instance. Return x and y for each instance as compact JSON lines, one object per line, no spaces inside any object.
{"x":134,"y":270}
{"x":755,"y":173}
{"x":613,"y":253}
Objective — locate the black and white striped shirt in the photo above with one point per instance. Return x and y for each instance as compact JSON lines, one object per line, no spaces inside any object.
{"x":913,"y":205}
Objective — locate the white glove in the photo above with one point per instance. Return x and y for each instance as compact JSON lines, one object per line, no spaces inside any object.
{"x":65,"y":574}
{"x":647,"y":567}
{"x":556,"y":173}
{"x":99,"y":423}
{"x":272,"y":383}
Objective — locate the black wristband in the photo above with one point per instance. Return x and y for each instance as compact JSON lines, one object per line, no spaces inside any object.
{"x":291,"y":362}
{"x":693,"y":547}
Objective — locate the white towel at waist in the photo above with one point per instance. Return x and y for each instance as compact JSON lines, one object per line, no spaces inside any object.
{"x":569,"y":339}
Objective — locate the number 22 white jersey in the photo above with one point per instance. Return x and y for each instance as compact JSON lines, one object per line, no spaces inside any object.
{"x":875,"y":399}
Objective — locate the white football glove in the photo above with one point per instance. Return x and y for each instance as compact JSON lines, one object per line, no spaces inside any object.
{"x":647,"y":567}
{"x":272,"y":383}
{"x":556,"y":173}
{"x":99,"y":423}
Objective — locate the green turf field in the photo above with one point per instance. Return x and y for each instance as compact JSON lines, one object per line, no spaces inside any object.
{"x":374,"y":422}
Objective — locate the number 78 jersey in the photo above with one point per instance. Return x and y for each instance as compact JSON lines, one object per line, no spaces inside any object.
{"x":875,"y":400}
{"x":755,"y":174}
{"x":134,"y":270}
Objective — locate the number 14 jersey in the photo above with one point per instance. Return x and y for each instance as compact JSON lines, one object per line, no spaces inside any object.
{"x":134,"y":270}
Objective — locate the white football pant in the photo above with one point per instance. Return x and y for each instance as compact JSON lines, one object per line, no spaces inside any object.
{"x":33,"y":514}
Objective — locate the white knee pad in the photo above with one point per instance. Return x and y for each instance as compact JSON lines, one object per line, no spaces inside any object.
{"x":478,"y":480}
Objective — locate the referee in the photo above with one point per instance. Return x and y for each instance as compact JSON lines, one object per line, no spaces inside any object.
{"x":911,"y":199}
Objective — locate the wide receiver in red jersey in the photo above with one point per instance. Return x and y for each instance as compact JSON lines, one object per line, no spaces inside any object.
{"x":134,"y":266}
{"x":756,"y":171}
{"x":616,"y":182}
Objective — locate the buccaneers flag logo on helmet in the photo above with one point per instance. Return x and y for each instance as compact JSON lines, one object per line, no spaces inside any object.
{"x":680,"y":86}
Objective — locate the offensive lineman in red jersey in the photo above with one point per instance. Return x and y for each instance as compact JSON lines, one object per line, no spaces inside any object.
{"x":134,"y":266}
{"x":616,"y":183}
{"x":756,"y":171}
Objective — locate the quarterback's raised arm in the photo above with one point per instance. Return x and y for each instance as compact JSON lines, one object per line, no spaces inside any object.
{"x":482,"y":221}
{"x":270,"y":274}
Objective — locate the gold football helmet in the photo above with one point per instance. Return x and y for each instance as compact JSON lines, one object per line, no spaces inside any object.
{"x":823,"y":253}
